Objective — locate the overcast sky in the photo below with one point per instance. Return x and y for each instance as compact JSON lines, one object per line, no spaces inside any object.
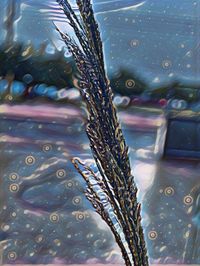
{"x":160,"y":39}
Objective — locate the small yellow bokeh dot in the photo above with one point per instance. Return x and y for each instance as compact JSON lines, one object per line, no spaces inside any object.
{"x":9,"y":97}
{"x":54,"y":217}
{"x":39,"y":238}
{"x":130,"y":83}
{"x":76,"y":200}
{"x":13,"y":215}
{"x":152,"y":235}
{"x":166,"y":64}
{"x":61,"y":173}
{"x":134,"y":43}
{"x":30,"y":160}
{"x":169,"y":191}
{"x":80,"y":216}
{"x":187,"y":234}
{"x":13,"y":176}
{"x":12,"y":255}
{"x":188,"y":200}
{"x":47,"y":147}
{"x":5,"y":227}
{"x":69,"y":184}
{"x":57,"y":242}
{"x":14,"y":188}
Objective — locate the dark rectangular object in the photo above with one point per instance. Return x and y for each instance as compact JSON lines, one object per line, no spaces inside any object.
{"x":183,"y":135}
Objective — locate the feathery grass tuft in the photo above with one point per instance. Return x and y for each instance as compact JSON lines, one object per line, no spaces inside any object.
{"x":112,"y":190}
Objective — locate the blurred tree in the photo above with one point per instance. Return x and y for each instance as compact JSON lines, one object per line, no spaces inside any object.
{"x":127,"y":83}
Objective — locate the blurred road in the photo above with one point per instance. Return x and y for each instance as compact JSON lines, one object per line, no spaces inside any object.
{"x":43,"y":209}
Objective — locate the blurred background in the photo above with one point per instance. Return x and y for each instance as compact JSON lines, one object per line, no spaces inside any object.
{"x":152,"y":52}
